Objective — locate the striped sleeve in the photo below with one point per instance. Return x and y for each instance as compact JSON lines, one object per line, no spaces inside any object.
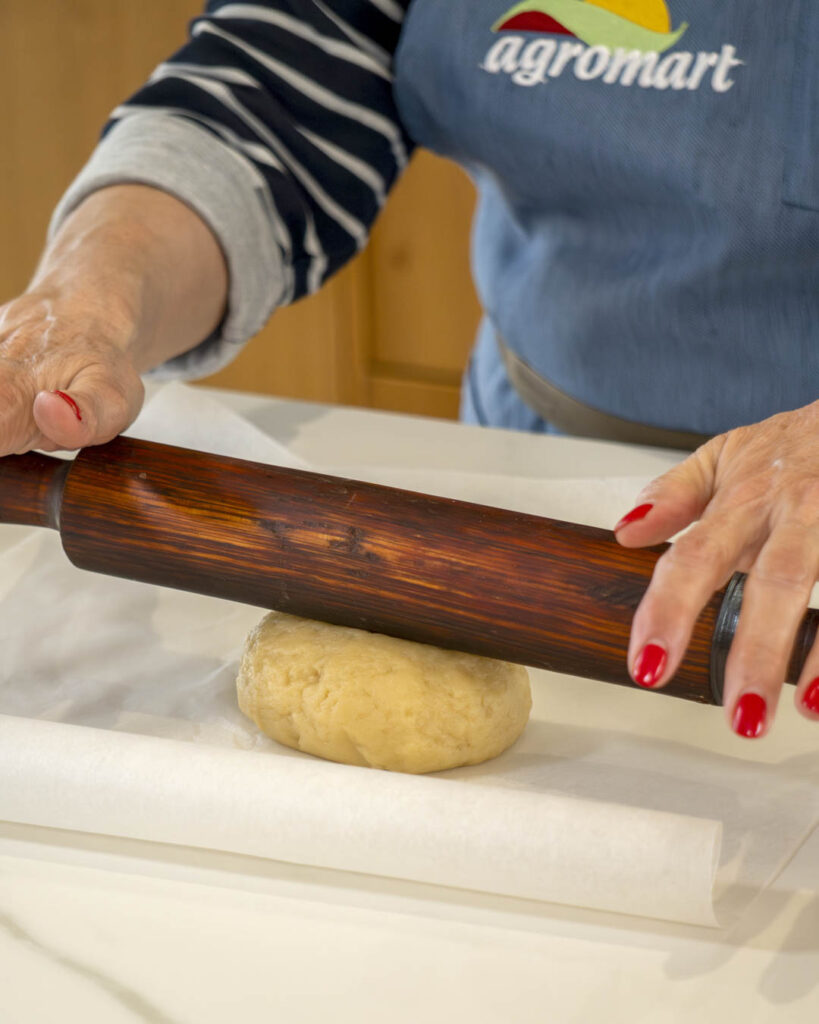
{"x":276,"y":122}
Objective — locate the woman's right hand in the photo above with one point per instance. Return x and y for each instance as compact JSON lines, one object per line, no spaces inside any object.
{"x":67,"y":379}
{"x":132,"y":278}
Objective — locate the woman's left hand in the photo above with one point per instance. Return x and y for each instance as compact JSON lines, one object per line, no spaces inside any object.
{"x":754,"y":493}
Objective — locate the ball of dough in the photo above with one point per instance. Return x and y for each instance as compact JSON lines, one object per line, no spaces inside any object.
{"x":366,"y":699}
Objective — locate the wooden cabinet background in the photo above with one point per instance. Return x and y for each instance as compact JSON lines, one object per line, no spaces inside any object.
{"x":391,"y":331}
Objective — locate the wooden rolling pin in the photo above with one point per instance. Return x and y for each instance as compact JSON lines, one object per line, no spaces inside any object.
{"x":537,"y":591}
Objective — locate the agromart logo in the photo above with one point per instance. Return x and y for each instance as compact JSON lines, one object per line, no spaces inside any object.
{"x":617,"y":42}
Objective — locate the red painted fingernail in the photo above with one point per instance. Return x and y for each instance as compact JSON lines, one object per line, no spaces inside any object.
{"x":636,"y":513}
{"x":71,"y":402}
{"x":810,"y":698}
{"x":649,"y":665}
{"x":749,"y":715}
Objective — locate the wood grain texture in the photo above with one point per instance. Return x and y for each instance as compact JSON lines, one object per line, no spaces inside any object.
{"x":537,"y":591}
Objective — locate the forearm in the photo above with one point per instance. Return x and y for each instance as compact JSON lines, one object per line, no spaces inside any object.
{"x":145,"y":262}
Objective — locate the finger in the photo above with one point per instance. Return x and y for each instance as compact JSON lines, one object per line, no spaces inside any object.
{"x":806,"y":697}
{"x":672,"y":501}
{"x":18,"y":431}
{"x":774,"y":600}
{"x":93,"y":408}
{"x":684,"y":579}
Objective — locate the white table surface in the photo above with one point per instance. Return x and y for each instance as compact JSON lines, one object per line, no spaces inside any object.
{"x":97,"y":929}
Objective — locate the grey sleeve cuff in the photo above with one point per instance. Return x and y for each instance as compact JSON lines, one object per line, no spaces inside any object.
{"x":177,"y":156}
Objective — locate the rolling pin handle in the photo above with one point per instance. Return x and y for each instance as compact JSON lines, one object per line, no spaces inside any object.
{"x":31,"y":489}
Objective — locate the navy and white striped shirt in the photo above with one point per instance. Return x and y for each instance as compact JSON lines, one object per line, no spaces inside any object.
{"x":307,"y":99}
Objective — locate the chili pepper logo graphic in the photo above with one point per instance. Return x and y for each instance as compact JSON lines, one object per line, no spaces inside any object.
{"x":643,"y":25}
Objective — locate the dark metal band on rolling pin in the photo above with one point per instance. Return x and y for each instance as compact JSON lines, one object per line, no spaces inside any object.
{"x":501,"y":584}
{"x":725,"y":629}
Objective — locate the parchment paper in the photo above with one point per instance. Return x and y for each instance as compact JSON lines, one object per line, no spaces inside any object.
{"x":118,"y":716}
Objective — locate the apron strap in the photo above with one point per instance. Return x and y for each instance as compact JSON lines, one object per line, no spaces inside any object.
{"x":572,"y":417}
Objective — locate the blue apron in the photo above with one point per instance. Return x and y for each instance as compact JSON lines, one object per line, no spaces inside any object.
{"x":647,"y":231}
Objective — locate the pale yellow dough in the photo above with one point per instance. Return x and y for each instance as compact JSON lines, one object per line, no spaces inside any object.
{"x":366,"y":699}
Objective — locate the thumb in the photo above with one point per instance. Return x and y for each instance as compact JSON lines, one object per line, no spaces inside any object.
{"x":92,"y":408}
{"x":672,"y":501}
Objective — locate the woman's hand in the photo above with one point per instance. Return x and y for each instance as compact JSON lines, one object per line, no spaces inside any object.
{"x":755,"y":495}
{"x":132,"y":278}
{"x":66,"y":377}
